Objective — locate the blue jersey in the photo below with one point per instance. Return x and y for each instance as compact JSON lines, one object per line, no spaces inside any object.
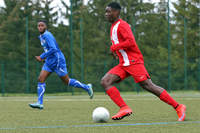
{"x":52,"y":53}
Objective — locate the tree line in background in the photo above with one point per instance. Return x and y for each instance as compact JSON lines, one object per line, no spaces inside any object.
{"x":149,"y":22}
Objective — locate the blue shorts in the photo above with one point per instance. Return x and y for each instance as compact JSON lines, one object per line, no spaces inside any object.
{"x":60,"y":69}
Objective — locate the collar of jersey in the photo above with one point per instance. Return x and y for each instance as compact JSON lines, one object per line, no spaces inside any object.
{"x":116,"y":21}
{"x":43,"y":33}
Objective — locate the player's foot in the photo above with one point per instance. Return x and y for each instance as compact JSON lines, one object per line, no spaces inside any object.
{"x":123,"y":112}
{"x":90,"y":91}
{"x":36,"y":105}
{"x":181,"y":109}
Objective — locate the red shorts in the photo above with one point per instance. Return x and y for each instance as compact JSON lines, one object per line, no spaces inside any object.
{"x":137,"y":71}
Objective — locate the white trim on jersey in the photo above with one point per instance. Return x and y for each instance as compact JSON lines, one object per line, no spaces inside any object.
{"x":125,"y":57}
{"x":58,"y":60}
{"x":114,"y":33}
{"x":116,"y":41}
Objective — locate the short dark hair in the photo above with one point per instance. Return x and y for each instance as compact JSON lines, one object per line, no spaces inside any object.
{"x":41,"y":20}
{"x":114,"y":5}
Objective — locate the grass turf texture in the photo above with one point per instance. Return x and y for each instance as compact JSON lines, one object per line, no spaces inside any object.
{"x":73,"y":114}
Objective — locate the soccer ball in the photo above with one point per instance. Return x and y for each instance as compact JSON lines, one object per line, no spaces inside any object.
{"x":100,"y":115}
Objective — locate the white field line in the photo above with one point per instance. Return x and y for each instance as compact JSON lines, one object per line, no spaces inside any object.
{"x":101,"y":125}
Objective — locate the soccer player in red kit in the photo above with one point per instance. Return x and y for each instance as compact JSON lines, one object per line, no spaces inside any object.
{"x":131,"y":63}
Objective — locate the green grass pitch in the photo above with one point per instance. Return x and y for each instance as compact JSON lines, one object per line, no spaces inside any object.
{"x":73,"y":114}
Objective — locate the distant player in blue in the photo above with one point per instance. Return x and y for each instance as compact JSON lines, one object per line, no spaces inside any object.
{"x":54,"y":62}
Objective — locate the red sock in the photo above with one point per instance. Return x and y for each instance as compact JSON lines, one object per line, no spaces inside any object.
{"x":114,"y":94}
{"x":165,"y":97}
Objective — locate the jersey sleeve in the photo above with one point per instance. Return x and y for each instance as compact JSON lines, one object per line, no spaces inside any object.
{"x":127,"y":36}
{"x":51,"y":47}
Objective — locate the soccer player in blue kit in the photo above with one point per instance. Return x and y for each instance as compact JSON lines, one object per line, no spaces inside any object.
{"x":54,"y":62}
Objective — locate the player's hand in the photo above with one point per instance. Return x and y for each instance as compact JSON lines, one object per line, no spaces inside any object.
{"x":38,"y":58}
{"x":113,"y":48}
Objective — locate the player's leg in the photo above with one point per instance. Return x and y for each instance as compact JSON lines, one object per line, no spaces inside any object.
{"x":165,"y":97}
{"x":151,"y":87}
{"x":63,"y":74}
{"x":115,"y":75}
{"x":107,"y":82}
{"x":142,"y":77}
{"x":78,"y":84}
{"x":41,"y":87}
{"x":159,"y":92}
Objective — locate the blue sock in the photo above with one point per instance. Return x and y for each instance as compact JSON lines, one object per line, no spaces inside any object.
{"x":41,"y":90}
{"x":76,"y":83}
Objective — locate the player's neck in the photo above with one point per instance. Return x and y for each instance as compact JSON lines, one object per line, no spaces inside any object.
{"x":115,"y":20}
{"x":42,"y":32}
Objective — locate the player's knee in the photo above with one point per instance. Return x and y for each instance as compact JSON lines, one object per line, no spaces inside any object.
{"x":41,"y":79}
{"x":104,"y":82}
{"x":146,"y":85}
{"x":66,"y":81}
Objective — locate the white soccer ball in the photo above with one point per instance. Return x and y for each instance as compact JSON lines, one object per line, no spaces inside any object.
{"x":100,"y":115}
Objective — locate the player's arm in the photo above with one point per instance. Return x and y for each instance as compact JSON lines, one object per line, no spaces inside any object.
{"x":52,"y":48}
{"x":113,"y":53}
{"x":38,"y":58}
{"x":127,"y":35}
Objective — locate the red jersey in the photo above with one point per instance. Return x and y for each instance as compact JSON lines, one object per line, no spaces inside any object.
{"x":122,"y":36}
